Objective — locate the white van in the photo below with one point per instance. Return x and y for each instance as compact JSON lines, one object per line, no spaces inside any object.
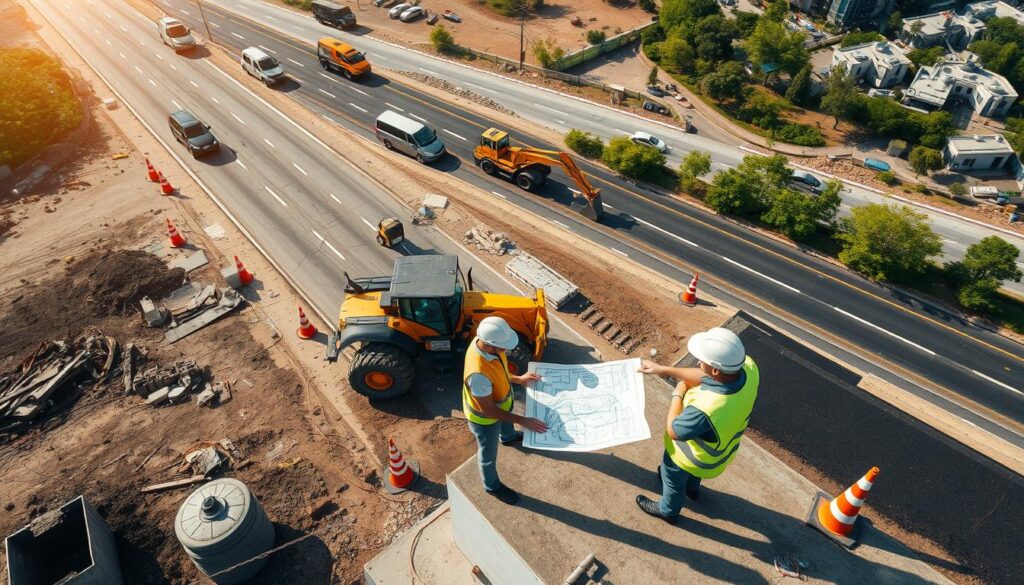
{"x":409,"y":136}
{"x":262,"y":66}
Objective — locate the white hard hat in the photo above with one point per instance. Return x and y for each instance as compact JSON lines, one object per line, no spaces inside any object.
{"x":719,"y":348}
{"x":495,"y":331}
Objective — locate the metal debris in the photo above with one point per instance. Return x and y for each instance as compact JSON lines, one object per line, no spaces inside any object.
{"x":492,"y":242}
{"x":206,"y":307}
{"x":181,"y":373}
{"x":790,"y":566}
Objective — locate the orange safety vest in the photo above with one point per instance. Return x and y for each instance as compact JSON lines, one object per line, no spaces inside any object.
{"x":497,"y":372}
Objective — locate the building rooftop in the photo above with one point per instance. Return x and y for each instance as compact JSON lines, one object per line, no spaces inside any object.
{"x":881,"y":52}
{"x":940,"y":22}
{"x":994,"y":9}
{"x":990,"y":144}
{"x":932,"y":84}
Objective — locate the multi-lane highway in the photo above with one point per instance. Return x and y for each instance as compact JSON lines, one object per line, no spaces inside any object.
{"x":312,"y":218}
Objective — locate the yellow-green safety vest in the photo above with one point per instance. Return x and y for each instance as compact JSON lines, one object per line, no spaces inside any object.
{"x":497,"y":372}
{"x":728,"y":414}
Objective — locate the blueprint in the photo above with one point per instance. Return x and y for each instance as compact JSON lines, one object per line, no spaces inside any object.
{"x":587,"y":407}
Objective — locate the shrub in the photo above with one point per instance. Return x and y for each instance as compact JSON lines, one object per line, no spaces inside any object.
{"x":595,"y":37}
{"x":695,"y":164}
{"x":633,"y":160}
{"x":654,"y":34}
{"x":548,"y":54}
{"x":762,"y":110}
{"x":887,"y":177}
{"x":799,"y":134}
{"x":302,"y":4}
{"x":585,"y":143}
{"x":958,"y":189}
{"x":648,"y":6}
{"x":37,"y":104}
{"x":511,"y":7}
{"x":923,"y":159}
{"x":442,"y":39}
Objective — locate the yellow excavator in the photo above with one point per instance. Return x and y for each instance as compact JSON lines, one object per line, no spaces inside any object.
{"x":529,"y":167}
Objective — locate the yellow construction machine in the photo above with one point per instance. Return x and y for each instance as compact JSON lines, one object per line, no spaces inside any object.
{"x":529,"y":167}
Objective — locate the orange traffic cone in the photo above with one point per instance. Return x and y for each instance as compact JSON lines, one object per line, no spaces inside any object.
{"x":837,"y":518}
{"x":689,"y":296}
{"x":244,"y":276}
{"x":306,"y":329}
{"x":165,"y":187}
{"x":177,"y":240}
{"x":151,"y":173}
{"x":401,"y":474}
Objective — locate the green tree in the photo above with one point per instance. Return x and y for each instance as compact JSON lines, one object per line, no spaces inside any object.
{"x":894,"y":24}
{"x":631,"y":159}
{"x":957,"y":189}
{"x":695,"y":164}
{"x":712,"y":37}
{"x":860,"y":37}
{"x":776,"y":11}
{"x":887,"y":242}
{"x":799,"y":215}
{"x":652,"y":76}
{"x":442,"y":39}
{"x":930,"y":56}
{"x":677,"y":55}
{"x":678,"y":12}
{"x":595,"y":37}
{"x":840,"y":94}
{"x":548,"y":53}
{"x":745,"y":22}
{"x":799,"y":90}
{"x":923,"y":159}
{"x":746,"y":190}
{"x":772,"y":45}
{"x":916,"y":27}
{"x":1014,"y":133}
{"x":725,"y":83}
{"x":986,"y":265}
{"x":585,"y":143}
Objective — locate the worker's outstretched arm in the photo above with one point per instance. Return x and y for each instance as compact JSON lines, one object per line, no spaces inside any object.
{"x":491,"y":410}
{"x":689,"y":376}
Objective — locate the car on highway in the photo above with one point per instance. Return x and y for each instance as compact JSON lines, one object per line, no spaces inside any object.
{"x":409,"y":137}
{"x":807,"y":181}
{"x":262,"y":66}
{"x":397,"y":10}
{"x":412,"y":13}
{"x":646,"y":139}
{"x":175,"y":35}
{"x":331,"y":14}
{"x":341,"y":58}
{"x":194,"y":134}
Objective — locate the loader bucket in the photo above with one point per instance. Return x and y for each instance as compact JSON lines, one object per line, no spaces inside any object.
{"x":591,"y":209}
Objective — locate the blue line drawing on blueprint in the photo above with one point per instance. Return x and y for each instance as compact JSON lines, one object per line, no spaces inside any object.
{"x":587,"y":407}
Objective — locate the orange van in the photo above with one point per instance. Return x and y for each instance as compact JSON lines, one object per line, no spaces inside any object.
{"x":341,"y":58}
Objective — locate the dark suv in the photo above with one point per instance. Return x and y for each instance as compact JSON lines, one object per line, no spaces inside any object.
{"x":195,"y":135}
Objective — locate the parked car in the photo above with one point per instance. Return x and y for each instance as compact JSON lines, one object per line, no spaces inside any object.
{"x":650,"y":140}
{"x":656,"y":108}
{"x":331,"y":14}
{"x":195,"y":135}
{"x":175,"y":35}
{"x":886,"y":93}
{"x":383,"y":3}
{"x":412,"y":13}
{"x":397,"y":10}
{"x":262,"y":66}
{"x":807,"y":181}
{"x":656,"y":91}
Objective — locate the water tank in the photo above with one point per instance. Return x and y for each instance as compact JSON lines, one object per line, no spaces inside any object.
{"x":222,"y":524}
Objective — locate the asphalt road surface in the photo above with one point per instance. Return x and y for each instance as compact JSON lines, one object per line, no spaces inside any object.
{"x":312,"y":216}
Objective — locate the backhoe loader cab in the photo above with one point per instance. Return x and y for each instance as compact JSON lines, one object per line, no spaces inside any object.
{"x":426,"y":305}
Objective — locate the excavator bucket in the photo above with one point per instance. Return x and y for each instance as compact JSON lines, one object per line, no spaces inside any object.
{"x":591,"y":209}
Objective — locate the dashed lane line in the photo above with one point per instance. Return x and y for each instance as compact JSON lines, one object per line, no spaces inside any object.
{"x":300,"y":169}
{"x":328,"y":244}
{"x":886,"y":331}
{"x":363,"y":110}
{"x":279,"y":200}
{"x":764,"y":276}
{"x":454,"y":134}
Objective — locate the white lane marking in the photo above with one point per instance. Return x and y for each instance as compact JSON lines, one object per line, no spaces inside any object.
{"x":266,"y":49}
{"x":429,"y":72}
{"x":137,"y":69}
{"x":886,"y":331}
{"x":107,"y":14}
{"x":194,"y":84}
{"x":499,"y":194}
{"x":666,"y":232}
{"x":335,"y":198}
{"x":186,"y":12}
{"x":562,"y":122}
{"x":967,"y":421}
{"x":268,"y":17}
{"x":325,"y":76}
{"x":618,"y":252}
{"x":948,"y":241}
{"x":123,"y":29}
{"x":358,"y":108}
{"x":380,"y":57}
{"x":370,"y":225}
{"x":621,"y":131}
{"x":417,"y":117}
{"x":552,"y":109}
{"x":158,"y":56}
{"x":751,"y":270}
{"x":394,"y":106}
{"x":215,"y":100}
{"x":122,"y":55}
{"x":997,"y":382}
{"x":328,"y":118}
{"x":172,"y":66}
{"x":454,"y":134}
{"x":240,"y":121}
{"x":108,"y":42}
{"x":238,"y":35}
{"x":153,"y":83}
{"x":608,"y":206}
{"x":300,"y":169}
{"x":213,"y":24}
{"x":328,"y":244}
{"x":356,"y":89}
{"x":296,"y":62}
{"x":176,"y":104}
{"x":477,"y":86}
{"x":560,"y":223}
{"x":241,"y":164}
{"x":279,"y":200}
{"x":270,"y":143}
{"x":325,"y":92}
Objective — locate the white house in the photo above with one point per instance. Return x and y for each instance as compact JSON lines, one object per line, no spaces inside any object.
{"x":941,"y":28}
{"x":977,"y":153}
{"x":879,"y":64}
{"x":994,"y":9}
{"x":989,"y":94}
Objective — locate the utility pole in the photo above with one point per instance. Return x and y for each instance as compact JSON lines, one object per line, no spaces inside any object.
{"x":522,"y":25}
{"x":209,"y":35}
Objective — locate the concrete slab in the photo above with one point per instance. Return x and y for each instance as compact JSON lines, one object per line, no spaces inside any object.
{"x":190,"y":263}
{"x":437,"y":560}
{"x":535,"y":274}
{"x":574,"y":504}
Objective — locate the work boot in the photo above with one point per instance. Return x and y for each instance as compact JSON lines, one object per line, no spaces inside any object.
{"x":650,"y":507}
{"x":517,"y":439}
{"x":505,"y":494}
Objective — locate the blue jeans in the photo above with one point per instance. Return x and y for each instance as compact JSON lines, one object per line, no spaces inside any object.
{"x":674,"y":484}
{"x":488,"y":438}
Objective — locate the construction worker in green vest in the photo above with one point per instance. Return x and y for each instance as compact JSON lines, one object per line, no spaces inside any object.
{"x":707,"y":415}
{"x":487,"y":400}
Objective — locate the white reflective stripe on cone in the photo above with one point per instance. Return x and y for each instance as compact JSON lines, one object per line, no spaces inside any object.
{"x":864,"y":484}
{"x":838,"y":514}
{"x":854,"y":500}
{"x":401,"y":470}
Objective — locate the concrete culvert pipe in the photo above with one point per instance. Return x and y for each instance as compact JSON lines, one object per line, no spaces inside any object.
{"x":222,"y":524}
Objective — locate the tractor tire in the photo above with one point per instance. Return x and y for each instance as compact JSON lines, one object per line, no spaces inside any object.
{"x":381,"y":371}
{"x":527,"y":180}
{"x":519,"y":357}
{"x":487,"y":165}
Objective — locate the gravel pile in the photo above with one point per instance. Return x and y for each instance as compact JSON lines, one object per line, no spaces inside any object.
{"x":445,"y":85}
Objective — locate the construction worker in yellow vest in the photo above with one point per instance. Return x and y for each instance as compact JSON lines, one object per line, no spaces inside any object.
{"x":487,"y":400}
{"x":707,"y":415}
